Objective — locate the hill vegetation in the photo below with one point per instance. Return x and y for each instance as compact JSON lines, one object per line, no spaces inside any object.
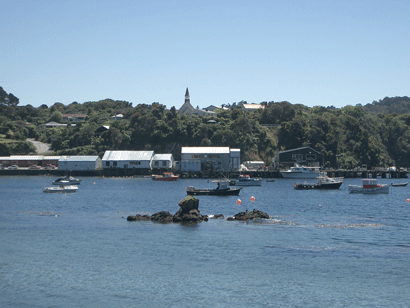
{"x":377,"y":134}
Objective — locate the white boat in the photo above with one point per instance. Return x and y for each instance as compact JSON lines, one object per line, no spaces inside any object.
{"x":369,"y":186}
{"x":301,"y":172}
{"x":61,"y":189}
{"x":246,"y":180}
{"x":67,"y":180}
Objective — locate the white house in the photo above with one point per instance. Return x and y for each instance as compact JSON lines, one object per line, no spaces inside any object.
{"x":162,"y":161}
{"x":128,"y":159}
{"x":79,"y":163}
{"x":252,"y":107}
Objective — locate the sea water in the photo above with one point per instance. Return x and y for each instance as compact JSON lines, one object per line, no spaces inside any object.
{"x":320,"y":249}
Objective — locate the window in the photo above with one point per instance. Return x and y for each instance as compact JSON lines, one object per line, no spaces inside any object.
{"x":156,"y":164}
{"x":310,"y":156}
{"x":114,"y":163}
{"x":297,"y":156}
{"x":164,"y":163}
{"x":107,"y":163}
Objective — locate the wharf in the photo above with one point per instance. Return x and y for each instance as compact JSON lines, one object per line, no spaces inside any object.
{"x":253,"y":173}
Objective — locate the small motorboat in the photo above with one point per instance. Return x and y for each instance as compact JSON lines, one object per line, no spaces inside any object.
{"x":166,"y":176}
{"x":67,"y":180}
{"x":61,"y":189}
{"x":399,"y":184}
{"x":247,"y":180}
{"x":323,"y":182}
{"x":369,"y":186}
{"x":222,"y":189}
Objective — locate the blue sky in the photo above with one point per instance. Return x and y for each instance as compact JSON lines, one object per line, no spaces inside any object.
{"x":315,"y":53}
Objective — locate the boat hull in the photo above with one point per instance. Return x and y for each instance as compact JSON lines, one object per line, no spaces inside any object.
{"x":305,"y":186}
{"x":61,"y":190}
{"x":214,"y":192}
{"x":299,"y":175}
{"x":371,"y":191}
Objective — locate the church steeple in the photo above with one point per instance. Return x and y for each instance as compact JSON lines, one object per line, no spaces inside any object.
{"x":187,"y":100}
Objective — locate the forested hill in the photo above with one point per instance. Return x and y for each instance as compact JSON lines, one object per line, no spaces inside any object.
{"x":390,"y":105}
{"x":377,"y":134}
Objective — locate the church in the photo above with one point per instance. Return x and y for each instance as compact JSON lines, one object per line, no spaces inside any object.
{"x":187,"y":108}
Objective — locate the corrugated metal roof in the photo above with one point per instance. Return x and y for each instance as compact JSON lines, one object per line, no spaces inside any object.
{"x":32,"y":157}
{"x":162,"y":157}
{"x":78,"y":158}
{"x":205,"y":150}
{"x":127,"y":155}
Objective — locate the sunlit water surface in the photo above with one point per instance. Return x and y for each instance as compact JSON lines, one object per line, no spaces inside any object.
{"x":320,"y":249}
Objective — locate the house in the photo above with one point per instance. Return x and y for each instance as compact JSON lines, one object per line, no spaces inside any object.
{"x":117,"y":117}
{"x":101,"y":129}
{"x":28,"y":160}
{"x":305,"y":156}
{"x":206,"y":159}
{"x":127,"y":159}
{"x":53,"y":124}
{"x":187,"y":108}
{"x":252,"y":107}
{"x":74,"y":117}
{"x":162,"y":161}
{"x":79,"y":163}
{"x":213,"y":108}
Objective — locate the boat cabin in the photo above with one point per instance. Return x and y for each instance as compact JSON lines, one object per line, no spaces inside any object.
{"x":370,"y":183}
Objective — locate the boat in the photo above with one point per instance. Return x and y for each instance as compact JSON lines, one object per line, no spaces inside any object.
{"x":222,"y":189}
{"x":369,"y":186}
{"x":399,"y":184}
{"x":68,"y":180}
{"x":323,"y":182}
{"x":61,"y":189}
{"x":166,"y":176}
{"x":301,"y":172}
{"x":246,"y":180}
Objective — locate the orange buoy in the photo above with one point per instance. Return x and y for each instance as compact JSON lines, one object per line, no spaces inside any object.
{"x":408,"y":200}
{"x":238,"y":202}
{"x":252,"y":198}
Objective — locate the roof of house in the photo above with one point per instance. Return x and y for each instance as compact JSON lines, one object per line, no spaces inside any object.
{"x":78,"y":158}
{"x":205,"y":150}
{"x":298,"y":149}
{"x":163,"y":157}
{"x":253,"y":106}
{"x":127,"y":155}
{"x":73,"y":115}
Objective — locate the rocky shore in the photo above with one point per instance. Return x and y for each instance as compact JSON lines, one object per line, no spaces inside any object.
{"x":189,"y":213}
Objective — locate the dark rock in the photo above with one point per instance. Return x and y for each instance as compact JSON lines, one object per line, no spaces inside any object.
{"x":251,"y":215}
{"x":218,"y":216}
{"x":230,"y":218}
{"x":189,"y":203}
{"x":138,"y":217}
{"x":191,"y":216}
{"x":163,"y":217}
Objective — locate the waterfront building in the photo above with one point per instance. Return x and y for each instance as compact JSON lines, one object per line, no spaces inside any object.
{"x":127,"y":159}
{"x":208,"y":159}
{"x":79,"y":163}
{"x":305,"y":156}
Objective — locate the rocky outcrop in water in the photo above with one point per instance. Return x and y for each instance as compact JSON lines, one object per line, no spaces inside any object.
{"x":255,"y":214}
{"x":189,"y":213}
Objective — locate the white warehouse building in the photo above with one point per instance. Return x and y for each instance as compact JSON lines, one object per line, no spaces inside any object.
{"x":194,"y":159}
{"x":127,"y":159}
{"x":79,"y":163}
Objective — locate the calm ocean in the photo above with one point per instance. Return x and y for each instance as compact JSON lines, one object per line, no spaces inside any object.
{"x":321,"y":249}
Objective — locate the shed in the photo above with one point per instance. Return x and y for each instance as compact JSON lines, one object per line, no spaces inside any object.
{"x":128,"y":159}
{"x":235,"y":155}
{"x":305,"y":156}
{"x":79,"y":163}
{"x":211,"y":158}
{"x":162,"y":161}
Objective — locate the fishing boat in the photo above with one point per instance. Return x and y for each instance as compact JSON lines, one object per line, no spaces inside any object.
{"x":222,"y":189}
{"x":369,"y":186}
{"x":323,"y":182}
{"x":67,"y":180}
{"x":247,"y":180}
{"x":166,"y":176}
{"x":61,"y":189}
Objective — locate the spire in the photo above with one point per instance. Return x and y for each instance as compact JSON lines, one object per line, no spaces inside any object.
{"x":187,"y":100}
